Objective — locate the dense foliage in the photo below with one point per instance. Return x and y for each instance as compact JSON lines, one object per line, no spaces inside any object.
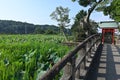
{"x":78,"y":28}
{"x":61,"y":15}
{"x":83,"y":22}
{"x":113,"y":10}
{"x":27,"y":57}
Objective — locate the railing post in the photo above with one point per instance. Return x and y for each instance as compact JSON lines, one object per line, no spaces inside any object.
{"x":89,"y":44}
{"x":77,"y":75}
{"x":80,"y":55}
{"x":69,"y":70}
{"x":92,"y":41}
{"x":73,"y":67}
{"x":95,"y":46}
{"x":66,"y":72}
{"x":80,"y":64}
{"x":85,"y":58}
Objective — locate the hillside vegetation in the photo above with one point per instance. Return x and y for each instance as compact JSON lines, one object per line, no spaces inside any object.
{"x":16,"y":27}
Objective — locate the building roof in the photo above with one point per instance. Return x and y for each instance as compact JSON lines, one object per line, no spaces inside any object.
{"x":108,"y":24}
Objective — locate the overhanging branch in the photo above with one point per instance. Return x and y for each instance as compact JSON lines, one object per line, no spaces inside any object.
{"x":92,"y":9}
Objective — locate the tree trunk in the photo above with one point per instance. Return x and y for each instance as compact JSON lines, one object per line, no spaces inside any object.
{"x":63,"y":33}
{"x":90,"y":10}
{"x":87,"y":17}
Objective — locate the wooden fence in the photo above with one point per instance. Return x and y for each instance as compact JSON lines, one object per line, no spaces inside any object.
{"x":75,"y":63}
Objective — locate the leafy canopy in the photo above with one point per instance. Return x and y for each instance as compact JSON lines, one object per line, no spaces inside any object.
{"x":80,"y":15}
{"x":61,"y":15}
{"x":114,"y":10}
{"x":85,"y":3}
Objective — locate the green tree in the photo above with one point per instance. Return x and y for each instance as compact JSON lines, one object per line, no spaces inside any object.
{"x":77,"y":28}
{"x":61,"y":15}
{"x":48,"y":31}
{"x":93,"y":4}
{"x":113,"y":10}
{"x":94,"y":27}
{"x":38,"y":30}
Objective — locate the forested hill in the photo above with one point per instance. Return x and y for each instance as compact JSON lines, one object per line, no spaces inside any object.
{"x":15,"y":27}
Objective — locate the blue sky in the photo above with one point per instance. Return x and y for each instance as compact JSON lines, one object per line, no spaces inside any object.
{"x":38,"y":11}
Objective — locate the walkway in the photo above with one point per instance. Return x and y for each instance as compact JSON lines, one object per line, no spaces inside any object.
{"x":106,"y":65}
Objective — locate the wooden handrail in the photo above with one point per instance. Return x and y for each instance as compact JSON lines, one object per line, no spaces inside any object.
{"x":72,"y":60}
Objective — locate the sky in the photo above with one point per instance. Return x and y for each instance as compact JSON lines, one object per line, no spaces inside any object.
{"x":38,"y":11}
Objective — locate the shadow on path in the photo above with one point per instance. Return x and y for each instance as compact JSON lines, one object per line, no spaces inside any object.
{"x":106,"y":64}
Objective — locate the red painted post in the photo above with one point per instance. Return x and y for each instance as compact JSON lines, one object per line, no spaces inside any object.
{"x":113,"y":30}
{"x":103,"y":31}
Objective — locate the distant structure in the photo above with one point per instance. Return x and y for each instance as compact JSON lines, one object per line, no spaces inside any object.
{"x":108,"y":31}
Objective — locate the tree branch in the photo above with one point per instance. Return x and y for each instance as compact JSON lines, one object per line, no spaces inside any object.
{"x":92,"y":9}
